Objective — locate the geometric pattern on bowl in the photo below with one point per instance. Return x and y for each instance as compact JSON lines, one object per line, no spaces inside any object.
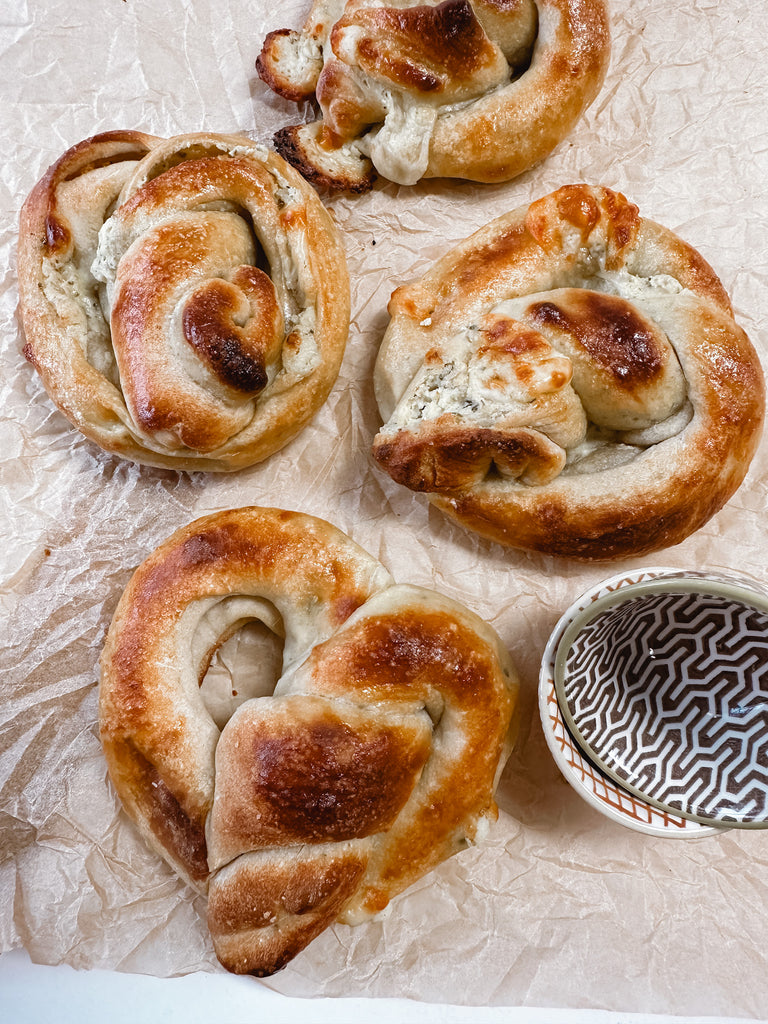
{"x":667,"y":692}
{"x":593,"y":785}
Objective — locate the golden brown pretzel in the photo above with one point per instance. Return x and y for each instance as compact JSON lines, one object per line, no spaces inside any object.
{"x":477,"y":89}
{"x":185,"y":301}
{"x":375,"y":758}
{"x":570,"y":379}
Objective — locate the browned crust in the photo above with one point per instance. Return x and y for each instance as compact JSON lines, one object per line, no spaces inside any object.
{"x":238,"y":358}
{"x":40,"y":216}
{"x":264,"y":912}
{"x":516,"y":253}
{"x":268,"y":69}
{"x":175,"y":832}
{"x":423,"y":49}
{"x":586,"y":533}
{"x":424,"y":648}
{"x":656,"y":501}
{"x":618,"y":340}
{"x":289,"y":144}
{"x":444,"y":457}
{"x":506,"y":133}
{"x":300,"y":769}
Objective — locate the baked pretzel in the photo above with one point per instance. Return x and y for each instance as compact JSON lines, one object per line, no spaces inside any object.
{"x":185,"y":301}
{"x":375,"y":758}
{"x":477,"y":89}
{"x":570,"y":379}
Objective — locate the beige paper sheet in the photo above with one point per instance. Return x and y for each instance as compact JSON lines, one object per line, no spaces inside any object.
{"x":561,"y":907}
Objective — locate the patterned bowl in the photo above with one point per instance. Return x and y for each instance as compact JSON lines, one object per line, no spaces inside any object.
{"x":653,"y":697}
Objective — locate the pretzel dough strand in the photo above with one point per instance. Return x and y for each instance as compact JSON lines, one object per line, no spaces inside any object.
{"x":184,"y":292}
{"x":433,"y":660}
{"x":105,"y":150}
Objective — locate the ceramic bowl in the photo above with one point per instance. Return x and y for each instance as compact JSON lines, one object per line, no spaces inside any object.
{"x":654,"y":701}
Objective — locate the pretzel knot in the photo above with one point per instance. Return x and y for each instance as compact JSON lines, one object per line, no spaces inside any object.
{"x":185,"y":301}
{"x":570,"y":379}
{"x":477,"y":89}
{"x":375,"y":758}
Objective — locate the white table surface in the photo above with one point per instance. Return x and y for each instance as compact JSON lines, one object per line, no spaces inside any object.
{"x":35,"y":994}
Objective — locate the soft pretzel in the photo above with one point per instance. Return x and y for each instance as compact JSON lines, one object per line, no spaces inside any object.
{"x":375,"y":758}
{"x":185,"y":301}
{"x":570,"y":379}
{"x":477,"y":89}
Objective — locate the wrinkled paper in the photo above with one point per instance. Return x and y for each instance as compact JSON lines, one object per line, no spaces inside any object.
{"x":560,"y":907}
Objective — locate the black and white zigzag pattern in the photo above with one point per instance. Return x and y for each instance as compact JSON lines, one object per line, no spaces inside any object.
{"x":670,"y":693}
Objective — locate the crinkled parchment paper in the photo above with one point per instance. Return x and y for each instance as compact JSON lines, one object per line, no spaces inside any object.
{"x":561,"y":907}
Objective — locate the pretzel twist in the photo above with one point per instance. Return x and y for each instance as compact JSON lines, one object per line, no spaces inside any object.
{"x":477,"y":89}
{"x":570,"y":379}
{"x":375,"y":758}
{"x":185,"y":300}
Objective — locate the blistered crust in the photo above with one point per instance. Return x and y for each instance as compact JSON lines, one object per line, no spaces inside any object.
{"x":472,"y":89}
{"x":570,"y":379}
{"x":185,"y":301}
{"x":376,"y":757}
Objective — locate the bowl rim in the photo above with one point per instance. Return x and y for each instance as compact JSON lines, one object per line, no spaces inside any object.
{"x":715,"y":584}
{"x":593,"y":785}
